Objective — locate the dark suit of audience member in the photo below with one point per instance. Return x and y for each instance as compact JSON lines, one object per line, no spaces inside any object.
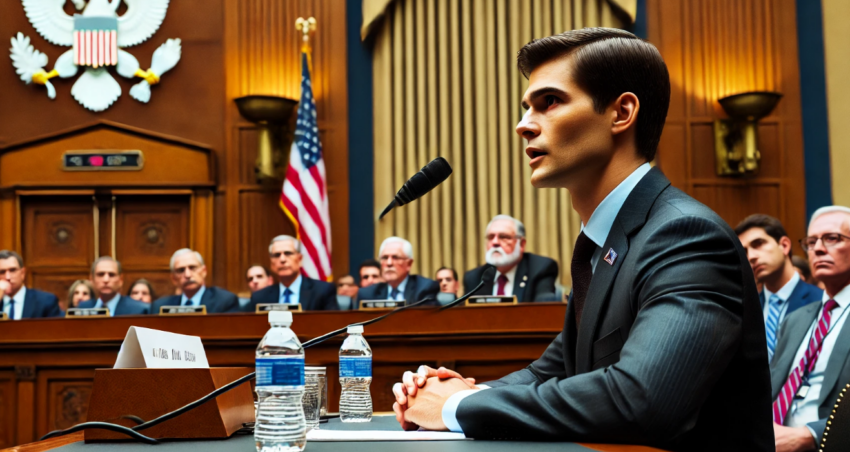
{"x":38,"y":304}
{"x":416,"y":288}
{"x":313,"y":295}
{"x":803,"y":294}
{"x":125,"y":306}
{"x":534,"y":279}
{"x":216,"y":299}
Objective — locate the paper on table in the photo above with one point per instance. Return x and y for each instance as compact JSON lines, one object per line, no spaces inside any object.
{"x":381,"y":435}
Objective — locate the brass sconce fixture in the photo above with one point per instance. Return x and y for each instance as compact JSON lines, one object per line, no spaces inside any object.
{"x":271,"y":114}
{"x":736,"y":138}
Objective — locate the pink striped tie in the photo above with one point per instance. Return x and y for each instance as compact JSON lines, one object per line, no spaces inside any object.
{"x":783,"y":402}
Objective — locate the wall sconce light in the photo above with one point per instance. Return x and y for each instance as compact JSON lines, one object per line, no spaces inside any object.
{"x":271,"y":114}
{"x":735,"y":139}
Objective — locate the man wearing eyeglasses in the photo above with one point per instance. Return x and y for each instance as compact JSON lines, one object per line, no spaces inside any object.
{"x":189,"y":274}
{"x":527,"y":276}
{"x":810,"y":366}
{"x":293,"y":287}
{"x":396,"y":256}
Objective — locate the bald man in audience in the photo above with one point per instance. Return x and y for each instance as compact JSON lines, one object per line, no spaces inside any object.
{"x":189,"y":274}
{"x":396,"y":256}
{"x":293,"y":287}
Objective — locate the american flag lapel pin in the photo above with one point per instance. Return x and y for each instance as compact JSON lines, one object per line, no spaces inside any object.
{"x":611,"y":256}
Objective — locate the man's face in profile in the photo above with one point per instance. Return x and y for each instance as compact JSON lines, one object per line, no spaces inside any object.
{"x":566,"y":136}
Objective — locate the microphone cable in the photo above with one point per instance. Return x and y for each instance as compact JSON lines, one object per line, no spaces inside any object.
{"x":134,"y":431}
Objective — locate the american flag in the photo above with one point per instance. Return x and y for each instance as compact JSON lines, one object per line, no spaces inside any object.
{"x":304,"y":198}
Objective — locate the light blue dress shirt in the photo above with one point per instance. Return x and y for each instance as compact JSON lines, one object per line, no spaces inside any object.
{"x":195,"y":300}
{"x":401,"y":288}
{"x":597,"y":230}
{"x":111,"y":304}
{"x":783,"y":295}
{"x":295,"y":287}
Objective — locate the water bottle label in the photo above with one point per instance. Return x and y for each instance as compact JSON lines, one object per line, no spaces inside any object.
{"x":355,"y":366}
{"x":280,"y":371}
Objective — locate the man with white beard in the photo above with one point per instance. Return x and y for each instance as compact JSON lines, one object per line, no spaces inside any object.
{"x":527,"y":276}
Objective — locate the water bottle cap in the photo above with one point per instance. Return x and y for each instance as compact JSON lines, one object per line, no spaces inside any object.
{"x":355,"y":329}
{"x":284,"y":317}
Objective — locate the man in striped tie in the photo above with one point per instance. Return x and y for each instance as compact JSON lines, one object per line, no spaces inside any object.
{"x":810,"y":364}
{"x":769,"y":253}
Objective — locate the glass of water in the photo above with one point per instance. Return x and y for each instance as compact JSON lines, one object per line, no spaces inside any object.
{"x":315,"y":394}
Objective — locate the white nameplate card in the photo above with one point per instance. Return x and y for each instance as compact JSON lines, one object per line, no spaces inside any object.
{"x":83,"y":313}
{"x":381,"y":304}
{"x":263,"y":308}
{"x":490,"y":300}
{"x":183,"y":310}
{"x":144,"y":348}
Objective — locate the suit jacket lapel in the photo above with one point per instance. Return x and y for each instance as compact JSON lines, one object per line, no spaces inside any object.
{"x":29,"y":305}
{"x":520,"y":284}
{"x":836,"y":362}
{"x":410,"y":290}
{"x":793,"y":334}
{"x":119,"y":307}
{"x":570,"y":338}
{"x":799,"y":296}
{"x":597,"y":296}
{"x":306,"y":295}
{"x":207,"y":298}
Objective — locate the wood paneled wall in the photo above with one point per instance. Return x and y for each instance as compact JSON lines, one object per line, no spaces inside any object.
{"x":714,"y":48}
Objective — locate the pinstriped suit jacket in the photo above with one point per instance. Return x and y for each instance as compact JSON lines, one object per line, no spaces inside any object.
{"x":671,"y":350}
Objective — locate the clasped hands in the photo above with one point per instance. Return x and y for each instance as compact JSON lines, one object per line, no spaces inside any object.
{"x":420,"y":397}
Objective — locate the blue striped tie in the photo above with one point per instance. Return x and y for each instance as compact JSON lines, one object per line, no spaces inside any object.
{"x":772,"y":325}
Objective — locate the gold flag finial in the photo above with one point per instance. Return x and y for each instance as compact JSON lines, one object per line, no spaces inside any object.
{"x":305,"y":26}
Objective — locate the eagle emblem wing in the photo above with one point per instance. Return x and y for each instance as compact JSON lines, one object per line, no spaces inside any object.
{"x":51,"y":21}
{"x":140,"y":22}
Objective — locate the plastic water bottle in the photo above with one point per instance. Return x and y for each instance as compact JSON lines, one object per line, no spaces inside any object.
{"x":280,"y":425}
{"x":355,"y":376}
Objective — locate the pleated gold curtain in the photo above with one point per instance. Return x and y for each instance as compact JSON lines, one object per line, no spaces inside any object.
{"x":446,"y":84}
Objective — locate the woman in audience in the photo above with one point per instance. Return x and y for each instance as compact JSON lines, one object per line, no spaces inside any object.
{"x":81,"y":290}
{"x":142,"y":290}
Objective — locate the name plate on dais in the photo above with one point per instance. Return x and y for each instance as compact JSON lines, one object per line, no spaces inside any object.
{"x":381,"y":304}
{"x":4,"y":316}
{"x":490,"y":300}
{"x":103,"y":161}
{"x":266,"y":307}
{"x":87,"y":313}
{"x":183,"y":310}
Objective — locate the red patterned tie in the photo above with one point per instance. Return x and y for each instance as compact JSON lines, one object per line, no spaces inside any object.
{"x":503,"y":281}
{"x":807,"y":364}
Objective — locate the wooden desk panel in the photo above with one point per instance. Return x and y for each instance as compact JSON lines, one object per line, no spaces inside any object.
{"x":47,"y":365}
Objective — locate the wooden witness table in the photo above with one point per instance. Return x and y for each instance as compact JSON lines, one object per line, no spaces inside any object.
{"x":47,"y":365}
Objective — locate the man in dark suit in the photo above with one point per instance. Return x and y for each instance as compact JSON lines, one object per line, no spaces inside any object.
{"x":527,"y":276}
{"x":293,"y":287}
{"x":663,"y":341}
{"x":769,"y":252}
{"x":809,"y":369}
{"x":108,"y":278}
{"x":189,"y":273}
{"x":20,"y":302}
{"x":396,"y":256}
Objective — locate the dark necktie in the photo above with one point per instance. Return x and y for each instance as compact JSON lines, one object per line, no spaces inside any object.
{"x":11,"y":308}
{"x":286,"y":296}
{"x":582,"y":272}
{"x":503,"y":281}
{"x":394,"y":293}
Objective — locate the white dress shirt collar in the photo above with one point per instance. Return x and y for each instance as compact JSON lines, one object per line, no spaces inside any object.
{"x":195,"y":300}
{"x":785,"y":291}
{"x":19,"y":304}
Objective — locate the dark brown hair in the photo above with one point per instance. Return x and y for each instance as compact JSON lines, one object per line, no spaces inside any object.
{"x":772,"y":226}
{"x":608,"y":62}
{"x":454,"y":272}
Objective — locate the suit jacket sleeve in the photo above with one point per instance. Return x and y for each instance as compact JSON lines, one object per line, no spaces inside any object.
{"x":546,"y":279}
{"x":469,"y":280}
{"x":688,"y":286}
{"x":328,"y":300}
{"x":52,"y":309}
{"x":818,"y":426}
{"x":229,"y":302}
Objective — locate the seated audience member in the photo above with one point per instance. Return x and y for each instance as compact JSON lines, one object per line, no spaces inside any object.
{"x":447,"y":279}
{"x":108,"y":278}
{"x":527,"y":276}
{"x":769,"y":253}
{"x":142,"y":290}
{"x":370,"y":273}
{"x":81,"y":290}
{"x":258,"y":277}
{"x":19,"y":302}
{"x":345,"y":286}
{"x":811,"y":367}
{"x":396,"y":255}
{"x":189,"y":274}
{"x":805,"y":271}
{"x":292,"y":286}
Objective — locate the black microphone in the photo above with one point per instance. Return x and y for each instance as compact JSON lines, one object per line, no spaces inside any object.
{"x":489,"y":275}
{"x":431,"y":175}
